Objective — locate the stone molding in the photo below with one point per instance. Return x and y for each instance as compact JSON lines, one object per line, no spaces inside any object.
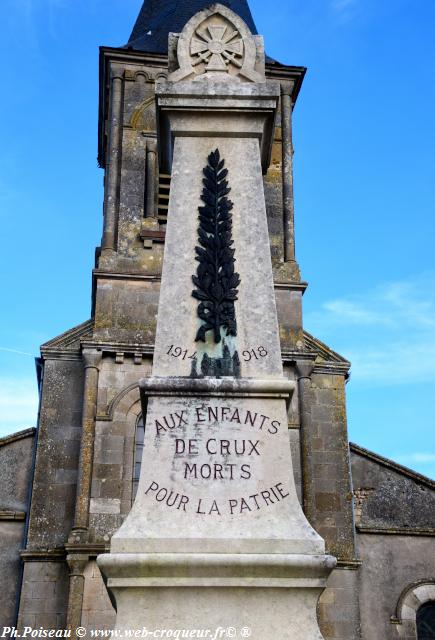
{"x":216,"y":569}
{"x":8,"y":514}
{"x":410,"y":600}
{"x":395,"y":531}
{"x":352,"y":564}
{"x":100,"y":273}
{"x":91,"y":549}
{"x":113,"y":404}
{"x":195,"y":109}
{"x":212,"y":387}
{"x":125,"y":348}
{"x":36,"y":555}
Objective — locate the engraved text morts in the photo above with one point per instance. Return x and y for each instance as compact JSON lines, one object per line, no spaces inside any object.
{"x":216,"y":536}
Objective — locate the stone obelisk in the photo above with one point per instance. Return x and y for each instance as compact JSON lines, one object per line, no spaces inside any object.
{"x":216,"y":537}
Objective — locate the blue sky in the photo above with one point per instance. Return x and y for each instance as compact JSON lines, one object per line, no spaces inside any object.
{"x":364,"y":139}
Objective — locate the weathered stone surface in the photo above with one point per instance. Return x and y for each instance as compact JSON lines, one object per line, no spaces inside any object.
{"x":37,"y":609}
{"x":332,"y":509}
{"x":126,"y":313}
{"x":391,"y":563}
{"x":338,"y":606}
{"x":11,"y":540}
{"x":98,"y":612}
{"x":16,"y":454}
{"x":390,"y":497}
{"x":15,"y":467}
{"x":229,"y":480}
{"x":53,"y":498}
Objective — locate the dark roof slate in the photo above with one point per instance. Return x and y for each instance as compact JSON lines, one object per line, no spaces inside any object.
{"x":159,"y":17}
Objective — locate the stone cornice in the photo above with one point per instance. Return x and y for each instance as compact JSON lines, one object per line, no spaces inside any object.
{"x":7,"y":514}
{"x":90,"y":549}
{"x":111,"y":275}
{"x":291,"y":286}
{"x":43,"y":555}
{"x":325,"y":366}
{"x":332,"y":368}
{"x":349,"y":563}
{"x":395,"y":531}
{"x":54,"y":354}
{"x":119,"y":347}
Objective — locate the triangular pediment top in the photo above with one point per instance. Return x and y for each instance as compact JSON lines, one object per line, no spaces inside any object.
{"x":70,"y":340}
{"x":322,"y":350}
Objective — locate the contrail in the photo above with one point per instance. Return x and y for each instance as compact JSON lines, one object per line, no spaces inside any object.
{"x":22,"y":353}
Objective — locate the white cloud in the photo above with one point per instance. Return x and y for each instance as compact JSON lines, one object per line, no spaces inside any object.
{"x":18,"y":404}
{"x":425,"y":461}
{"x":342,"y":5}
{"x":353,"y":311}
{"x":395,"y":363}
{"x":344,"y":10}
{"x":388,"y":333}
{"x":419,"y":457}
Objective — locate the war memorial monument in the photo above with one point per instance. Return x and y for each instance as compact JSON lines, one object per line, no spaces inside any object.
{"x":191,"y":468}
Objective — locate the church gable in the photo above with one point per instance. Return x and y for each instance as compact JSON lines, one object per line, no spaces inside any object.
{"x":69,"y":341}
{"x":390,"y":498}
{"x":323,"y":352}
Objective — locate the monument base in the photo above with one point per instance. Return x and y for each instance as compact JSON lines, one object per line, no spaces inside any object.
{"x":260,"y":596}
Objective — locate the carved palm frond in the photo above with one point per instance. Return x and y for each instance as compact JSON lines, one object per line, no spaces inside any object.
{"x":216,"y":281}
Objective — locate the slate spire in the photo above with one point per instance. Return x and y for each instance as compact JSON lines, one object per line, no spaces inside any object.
{"x":158,"y":17}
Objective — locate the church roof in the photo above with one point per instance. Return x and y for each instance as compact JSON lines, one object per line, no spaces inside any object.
{"x":159,"y":17}
{"x":392,"y":465}
{"x":69,"y":341}
{"x":322,"y":350}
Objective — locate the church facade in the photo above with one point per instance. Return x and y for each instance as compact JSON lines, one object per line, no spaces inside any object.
{"x":68,"y":485}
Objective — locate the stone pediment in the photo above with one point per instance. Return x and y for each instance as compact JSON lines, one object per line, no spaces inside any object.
{"x":69,"y":341}
{"x":322,"y":350}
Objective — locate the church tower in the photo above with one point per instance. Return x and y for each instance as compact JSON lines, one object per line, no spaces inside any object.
{"x":90,"y":435}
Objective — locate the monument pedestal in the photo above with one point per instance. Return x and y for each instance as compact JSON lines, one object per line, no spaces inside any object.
{"x":216,"y":538}
{"x":202,"y":547}
{"x":271,"y":595}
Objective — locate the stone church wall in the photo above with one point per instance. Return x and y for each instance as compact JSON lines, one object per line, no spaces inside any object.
{"x":391,"y":563}
{"x":118,"y":409}
{"x":45,"y":579}
{"x":395,"y":523}
{"x":57,"y":456}
{"x":16,"y":461}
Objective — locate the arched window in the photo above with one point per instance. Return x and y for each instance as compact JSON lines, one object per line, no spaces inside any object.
{"x":138,"y":450}
{"x":426,"y":621}
{"x":415,"y":611}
